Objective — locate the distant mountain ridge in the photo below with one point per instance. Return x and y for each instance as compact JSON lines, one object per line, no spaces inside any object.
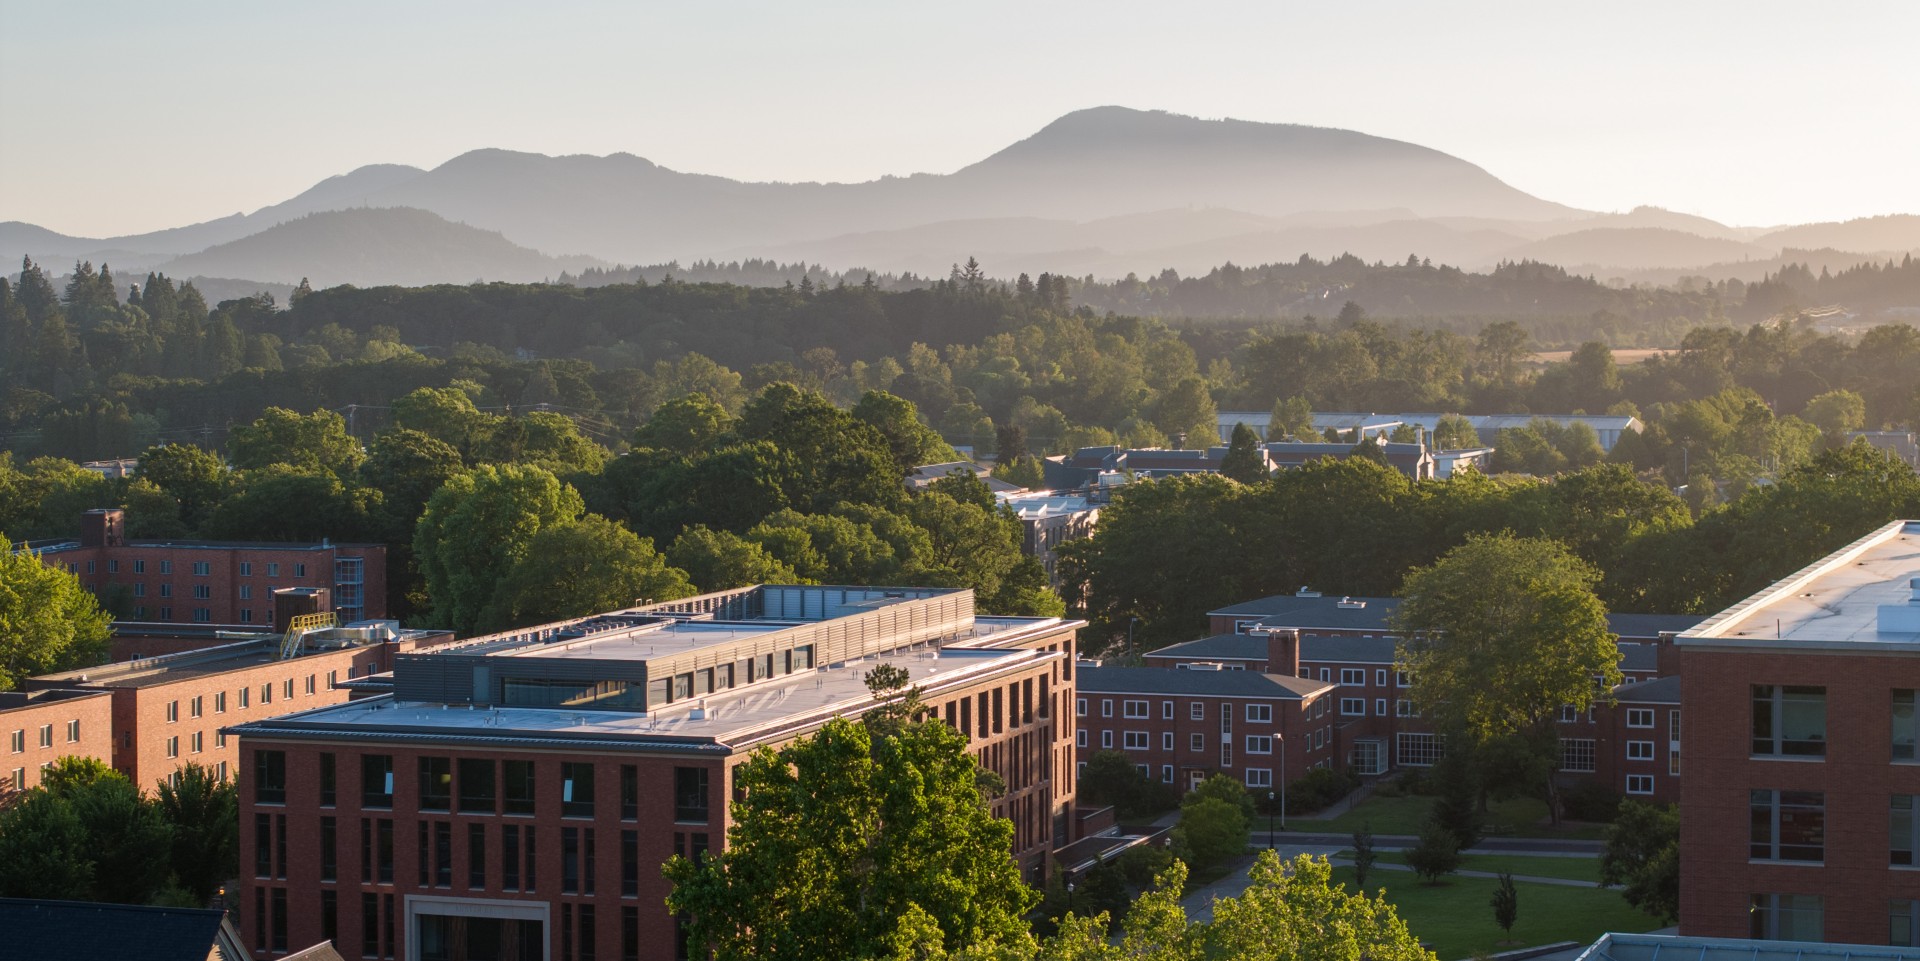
{"x":1108,"y":190}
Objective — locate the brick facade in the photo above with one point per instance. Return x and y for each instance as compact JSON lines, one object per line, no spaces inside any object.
{"x":41,"y":727}
{"x":213,"y":582}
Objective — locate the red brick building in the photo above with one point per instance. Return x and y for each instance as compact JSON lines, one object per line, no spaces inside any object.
{"x":217,"y":582}
{"x":169,"y":710}
{"x":42,"y":727}
{"x":515,"y":795}
{"x":1798,"y":809}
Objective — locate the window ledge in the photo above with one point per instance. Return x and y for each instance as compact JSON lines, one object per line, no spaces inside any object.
{"x":1790,"y":864}
{"x":1789,"y":758}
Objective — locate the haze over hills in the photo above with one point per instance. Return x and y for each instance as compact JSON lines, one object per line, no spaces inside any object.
{"x":1105,"y":191}
{"x":374,"y":246}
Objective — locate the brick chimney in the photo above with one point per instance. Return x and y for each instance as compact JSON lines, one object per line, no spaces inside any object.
{"x":105,"y":527}
{"x":1667,"y":657}
{"x":1283,"y":651}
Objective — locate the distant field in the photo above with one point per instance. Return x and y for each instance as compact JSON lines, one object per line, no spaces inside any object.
{"x":1626,"y":355}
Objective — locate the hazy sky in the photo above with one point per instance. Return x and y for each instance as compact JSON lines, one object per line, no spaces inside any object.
{"x":124,"y":117}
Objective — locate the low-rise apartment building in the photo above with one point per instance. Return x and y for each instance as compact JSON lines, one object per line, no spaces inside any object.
{"x":169,"y":710}
{"x":42,"y":727}
{"x":516,"y":795}
{"x":216,"y":582}
{"x":1800,"y":808}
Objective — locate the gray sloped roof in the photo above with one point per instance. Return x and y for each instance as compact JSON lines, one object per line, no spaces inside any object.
{"x":1660,"y":690}
{"x":1639,"y":658}
{"x":83,"y":931}
{"x":1292,"y":610}
{"x":1219,"y":647}
{"x":1649,"y":626}
{"x":1350,"y":650}
{"x":1160,"y":680}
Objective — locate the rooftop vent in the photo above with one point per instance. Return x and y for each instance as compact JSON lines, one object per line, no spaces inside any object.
{"x":1902,"y":618}
{"x":1305,"y":591}
{"x":1349,"y":604}
{"x":699,"y":713}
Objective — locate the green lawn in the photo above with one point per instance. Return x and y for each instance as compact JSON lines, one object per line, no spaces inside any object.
{"x":1457,"y":919}
{"x":1519,"y":865}
{"x":1517,"y":817}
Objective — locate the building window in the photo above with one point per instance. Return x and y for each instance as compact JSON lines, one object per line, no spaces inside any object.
{"x":477,"y":856}
{"x":299,"y":570}
{"x":202,"y":592}
{"x":1106,"y":739}
{"x":246,"y":568}
{"x":1577,"y":755}
{"x":140,"y":589}
{"x":376,"y":781}
{"x":1639,"y":784}
{"x":18,"y":741}
{"x":517,"y":795}
{"x":1133,"y":709}
{"x":1259,"y":744}
{"x":1080,"y":707}
{"x":113,"y":567}
{"x":436,"y":783}
{"x":246,"y":695}
{"x":139,"y":567}
{"x":1789,"y":721}
{"x":166,"y":613}
{"x":1639,"y":717}
{"x":1134,"y":740}
{"x":202,"y":568}
{"x":328,"y":780}
{"x":1639,"y":750}
{"x":1353,"y":706}
{"x":166,"y":590}
{"x":1416,"y":749}
{"x":1902,"y":831}
{"x":1788,"y":917}
{"x":166,"y":567}
{"x":310,"y":682}
{"x":576,"y":790}
{"x":1903,"y":725}
{"x":1166,"y":710}
{"x":1080,"y":738}
{"x":1260,"y":714}
{"x":476,"y":785}
{"x":1106,"y":707}
{"x":219,"y":702}
{"x":1326,"y":674}
{"x":46,"y":735}
{"x":194,"y":742}
{"x":690,"y":795}
{"x":1380,"y":707}
{"x":1400,"y":679}
{"x":1903,"y":923}
{"x":246,"y":592}
{"x":1404,"y":708}
{"x":270,"y":777}
{"x":1166,"y":774}
{"x":1166,"y":740}
{"x":266,"y":693}
{"x":1259,"y":777}
{"x":1353,"y":676}
{"x":1197,"y":711}
{"x":1787,"y":825}
{"x":173,"y":746}
{"x":273,"y":570}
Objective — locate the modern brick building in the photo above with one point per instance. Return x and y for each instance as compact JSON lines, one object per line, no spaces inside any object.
{"x":1798,"y":809}
{"x":1347,"y":642}
{"x":1180,"y":727}
{"x":42,"y":727}
{"x":169,"y":710}
{"x":515,"y":795}
{"x":217,"y":582}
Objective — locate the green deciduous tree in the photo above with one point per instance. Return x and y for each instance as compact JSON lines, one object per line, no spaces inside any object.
{"x":1437,"y":854}
{"x":1212,"y":829}
{"x":477,"y":528}
{"x":1500,"y":633}
{"x":48,"y":622}
{"x":720,"y":560}
{"x":203,"y":813}
{"x":312,"y":442}
{"x":858,"y":843}
{"x":685,"y":425}
{"x":1642,"y":854}
{"x":195,"y":477}
{"x":1836,"y":413}
{"x":580,"y":567}
{"x":1188,"y":409}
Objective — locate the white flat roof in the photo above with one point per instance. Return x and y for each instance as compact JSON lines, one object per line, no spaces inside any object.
{"x":1832,"y":603}
{"x":742,"y":715}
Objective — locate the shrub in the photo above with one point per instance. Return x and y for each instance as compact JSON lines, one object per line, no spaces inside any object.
{"x":1590,"y":801}
{"x":1437,"y":853}
{"x":1320,"y":787}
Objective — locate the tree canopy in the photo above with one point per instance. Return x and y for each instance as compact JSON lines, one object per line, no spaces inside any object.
{"x":48,"y":622}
